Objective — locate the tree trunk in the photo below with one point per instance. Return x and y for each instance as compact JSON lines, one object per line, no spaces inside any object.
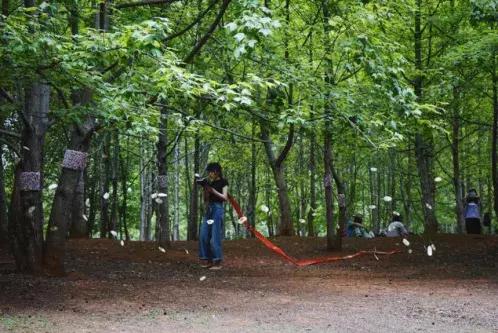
{"x":67,"y":196}
{"x":194,"y":197}
{"x":5,"y":8}
{"x":424,"y":145}
{"x":312,"y":169}
{"x":105,"y":221}
{"x":251,"y":211}
{"x":114,"y":182}
{"x":286,"y":227}
{"x":327,"y":132}
{"x":455,"y":152}
{"x":494,"y":148}
{"x":124,"y":165}
{"x":162,"y":169}
{"x":79,"y":219}
{"x":26,"y":212}
{"x":176,"y":226}
{"x":94,"y":185}
{"x":4,"y":219}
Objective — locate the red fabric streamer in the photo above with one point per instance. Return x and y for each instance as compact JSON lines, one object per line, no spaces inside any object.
{"x":298,"y":262}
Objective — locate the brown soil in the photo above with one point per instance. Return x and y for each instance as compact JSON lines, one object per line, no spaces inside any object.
{"x":137,"y":288}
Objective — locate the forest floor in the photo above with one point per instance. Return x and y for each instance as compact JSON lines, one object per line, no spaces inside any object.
{"x":137,"y":288}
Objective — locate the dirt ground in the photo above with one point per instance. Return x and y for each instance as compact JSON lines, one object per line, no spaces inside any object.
{"x":137,"y":288}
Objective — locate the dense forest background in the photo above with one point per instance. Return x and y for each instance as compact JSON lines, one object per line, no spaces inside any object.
{"x":317,"y":110}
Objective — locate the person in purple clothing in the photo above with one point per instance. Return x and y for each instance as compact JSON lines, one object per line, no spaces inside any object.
{"x":472,"y":212}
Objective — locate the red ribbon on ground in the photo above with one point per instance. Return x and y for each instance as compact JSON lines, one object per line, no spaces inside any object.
{"x":298,"y":262}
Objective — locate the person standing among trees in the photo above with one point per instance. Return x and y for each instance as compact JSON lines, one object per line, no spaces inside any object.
{"x":211,"y":233}
{"x":472,"y":212}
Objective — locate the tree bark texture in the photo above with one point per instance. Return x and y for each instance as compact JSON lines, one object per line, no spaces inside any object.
{"x":162,"y":186}
{"x":26,"y":212}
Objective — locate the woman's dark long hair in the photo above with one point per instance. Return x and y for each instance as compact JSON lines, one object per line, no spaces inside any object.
{"x":215,"y":167}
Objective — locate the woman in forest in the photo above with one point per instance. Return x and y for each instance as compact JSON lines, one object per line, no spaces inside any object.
{"x":215,"y":193}
{"x":396,"y":228}
{"x":356,"y":228}
{"x":472,"y":212}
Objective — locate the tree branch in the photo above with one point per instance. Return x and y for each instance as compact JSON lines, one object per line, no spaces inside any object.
{"x":287,"y":147}
{"x":9,"y":133}
{"x":191,"y":25}
{"x":144,"y":3}
{"x":6,"y":95}
{"x":197,"y":48}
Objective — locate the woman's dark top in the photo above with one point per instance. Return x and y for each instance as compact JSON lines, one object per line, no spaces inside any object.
{"x":218,"y":186}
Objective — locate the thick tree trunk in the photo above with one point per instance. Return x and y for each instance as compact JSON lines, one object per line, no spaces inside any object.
{"x":424,"y":142}
{"x":163,"y":237}
{"x":79,"y":224}
{"x":26,"y":212}
{"x":68,"y":204}
{"x":327,"y":132}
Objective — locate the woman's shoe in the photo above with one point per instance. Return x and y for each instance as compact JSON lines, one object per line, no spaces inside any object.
{"x":216,"y":266}
{"x":205,"y":263}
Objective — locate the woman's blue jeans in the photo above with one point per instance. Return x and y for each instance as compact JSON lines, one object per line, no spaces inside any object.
{"x":211,"y":235}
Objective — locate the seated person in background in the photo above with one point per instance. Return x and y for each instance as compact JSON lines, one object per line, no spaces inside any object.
{"x":396,"y":228}
{"x":356,"y":228}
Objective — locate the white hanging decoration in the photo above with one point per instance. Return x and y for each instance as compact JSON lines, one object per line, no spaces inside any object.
{"x":428,"y":206}
{"x":202,"y":278}
{"x":113,"y":233}
{"x":122,"y":242}
{"x":162,"y":249}
{"x":84,"y":217}
{"x":438,"y":179}
{"x":87,"y":202}
{"x":129,"y":189}
{"x":302,"y":221}
{"x":387,"y":198}
{"x":410,"y":251}
{"x":429,"y":250}
{"x":264,"y":208}
{"x":159,"y":201}
{"x":372,"y":207}
{"x":406,"y":242}
{"x":153,"y":195}
{"x":373,"y":169}
{"x":52,"y":187}
{"x":210,"y":221}
{"x":31,"y":210}
{"x":162,"y":195}
{"x":106,"y":195}
{"x":433,"y":247}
